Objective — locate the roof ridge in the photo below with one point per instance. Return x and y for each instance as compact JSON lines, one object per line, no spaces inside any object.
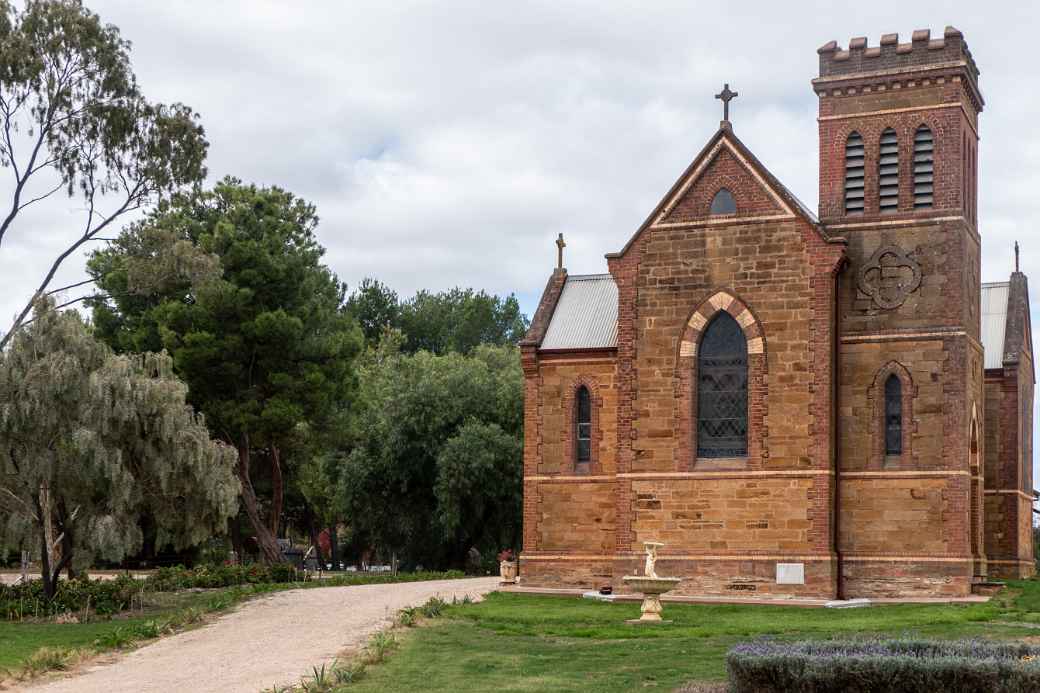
{"x":604,"y":275}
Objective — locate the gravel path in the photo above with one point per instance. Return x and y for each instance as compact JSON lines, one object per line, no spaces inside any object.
{"x":269,"y":640}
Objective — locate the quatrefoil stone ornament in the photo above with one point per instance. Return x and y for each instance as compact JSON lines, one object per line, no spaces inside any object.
{"x":889,"y":277}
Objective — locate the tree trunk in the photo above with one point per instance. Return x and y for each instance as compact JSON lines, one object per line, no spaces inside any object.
{"x":265,"y":539}
{"x":277,"y":490}
{"x":43,"y":518}
{"x":334,"y":550}
{"x":312,"y":529}
{"x":235,"y":531}
{"x":45,"y":561}
{"x":65,"y":523}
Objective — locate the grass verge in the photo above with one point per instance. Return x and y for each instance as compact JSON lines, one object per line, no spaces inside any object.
{"x":512,"y":642}
{"x":30,"y":648}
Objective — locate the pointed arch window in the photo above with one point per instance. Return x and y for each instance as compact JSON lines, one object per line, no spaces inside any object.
{"x":924,"y":168}
{"x":893,"y":415}
{"x":723,"y":203}
{"x":854,"y":153}
{"x":888,"y":172}
{"x":583,"y":426}
{"x":722,"y":390}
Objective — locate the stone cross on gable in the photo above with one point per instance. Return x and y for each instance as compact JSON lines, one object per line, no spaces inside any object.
{"x":726,"y":96}
{"x":560,"y":245}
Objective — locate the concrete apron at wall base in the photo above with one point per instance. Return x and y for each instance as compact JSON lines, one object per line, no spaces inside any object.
{"x":760,"y":601}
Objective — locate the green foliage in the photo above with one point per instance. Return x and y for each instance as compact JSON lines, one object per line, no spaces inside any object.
{"x":265,"y":347}
{"x":459,"y":320}
{"x":264,"y":343}
{"x":92,"y":441}
{"x":48,"y":659}
{"x":73,"y":113}
{"x":103,"y":597}
{"x":177,"y":578}
{"x":883,"y":665}
{"x":433,"y":608}
{"x":379,"y":646}
{"x":436,"y":463}
{"x":376,"y":308}
{"x":110,"y":597}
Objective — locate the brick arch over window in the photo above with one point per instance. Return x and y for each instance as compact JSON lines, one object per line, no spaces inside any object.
{"x":686,"y":380}
{"x":876,"y":406}
{"x":569,"y":435}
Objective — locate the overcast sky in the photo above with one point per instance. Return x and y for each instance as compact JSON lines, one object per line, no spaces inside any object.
{"x":447,"y":143}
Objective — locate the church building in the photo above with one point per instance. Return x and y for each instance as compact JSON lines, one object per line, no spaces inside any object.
{"x":823,"y":405}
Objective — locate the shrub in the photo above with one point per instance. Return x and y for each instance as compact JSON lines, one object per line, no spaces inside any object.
{"x":104,"y":597}
{"x":433,"y":607}
{"x":884,"y":666}
{"x":108,"y":597}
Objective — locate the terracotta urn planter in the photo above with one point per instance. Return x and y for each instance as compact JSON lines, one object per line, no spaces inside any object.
{"x":507,"y":569}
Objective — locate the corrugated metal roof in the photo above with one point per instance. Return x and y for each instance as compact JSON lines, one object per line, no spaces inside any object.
{"x":586,"y":314}
{"x":994,"y":322}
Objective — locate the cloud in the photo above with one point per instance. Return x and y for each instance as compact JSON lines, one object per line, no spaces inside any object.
{"x":447,"y":143}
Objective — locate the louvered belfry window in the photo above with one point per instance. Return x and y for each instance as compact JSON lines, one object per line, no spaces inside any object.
{"x":854,"y":174}
{"x":583,"y":425}
{"x":722,"y":390}
{"x":893,"y":415}
{"x":888,"y":172}
{"x":924,"y":168}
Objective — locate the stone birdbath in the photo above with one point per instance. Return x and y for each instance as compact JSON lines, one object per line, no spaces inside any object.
{"x":651,"y":586}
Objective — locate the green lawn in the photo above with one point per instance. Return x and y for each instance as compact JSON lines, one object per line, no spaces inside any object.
{"x":514,"y":642}
{"x":19,"y":640}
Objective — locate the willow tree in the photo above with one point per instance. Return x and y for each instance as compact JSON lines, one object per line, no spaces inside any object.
{"x":74,"y":123}
{"x":91,"y":441}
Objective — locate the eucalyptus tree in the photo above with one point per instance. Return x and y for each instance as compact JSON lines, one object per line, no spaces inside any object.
{"x":91,"y":441}
{"x":73,"y":122}
{"x":265,"y":345}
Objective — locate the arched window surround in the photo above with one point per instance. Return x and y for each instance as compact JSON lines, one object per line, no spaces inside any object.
{"x":876,"y":399}
{"x":686,"y":379}
{"x":570,"y":429}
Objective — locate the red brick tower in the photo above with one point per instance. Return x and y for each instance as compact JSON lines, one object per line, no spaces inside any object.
{"x":898,"y":171}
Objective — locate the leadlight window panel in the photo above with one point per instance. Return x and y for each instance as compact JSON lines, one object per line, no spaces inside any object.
{"x":722,"y":390}
{"x":893,"y":415}
{"x":924,"y":168}
{"x":723,"y":203}
{"x":854,"y":157}
{"x":583,"y":424}
{"x":888,"y":172}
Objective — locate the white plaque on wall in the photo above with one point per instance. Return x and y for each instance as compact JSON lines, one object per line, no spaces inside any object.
{"x":790,"y":573}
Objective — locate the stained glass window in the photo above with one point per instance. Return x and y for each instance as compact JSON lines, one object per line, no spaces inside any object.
{"x":893,"y":415}
{"x":722,"y":385}
{"x":583,"y":424}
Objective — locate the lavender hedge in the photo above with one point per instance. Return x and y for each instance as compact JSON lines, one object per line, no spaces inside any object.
{"x":884,"y":666}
